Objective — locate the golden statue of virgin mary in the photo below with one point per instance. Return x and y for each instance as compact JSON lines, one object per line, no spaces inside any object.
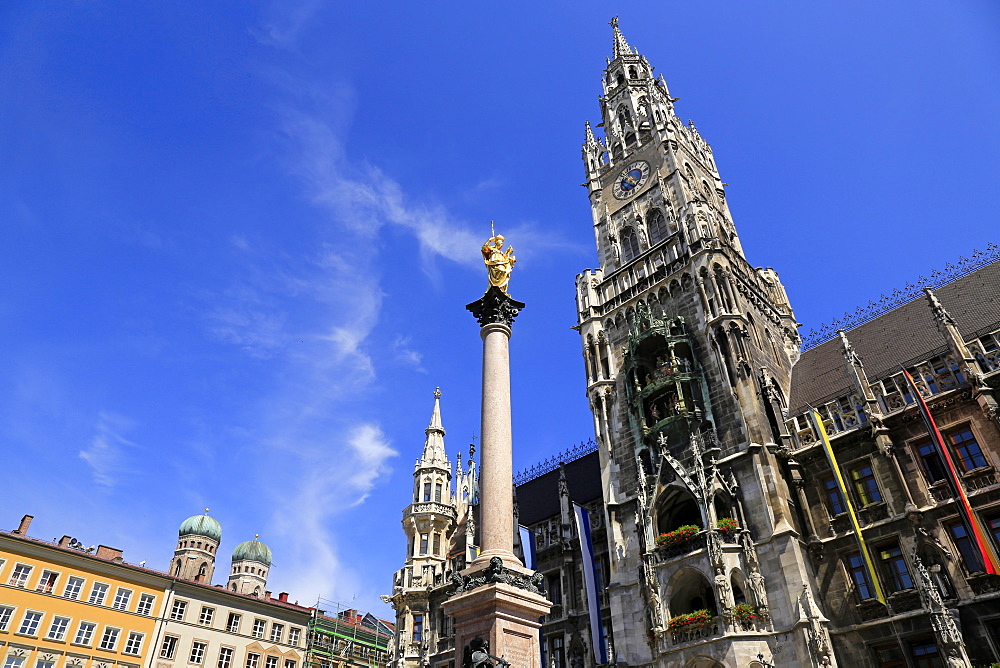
{"x":499,"y":262}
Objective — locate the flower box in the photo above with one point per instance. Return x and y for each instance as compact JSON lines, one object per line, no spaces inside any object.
{"x":690,"y":619}
{"x":677,"y":536}
{"x":744,"y":612}
{"x":727,"y":525}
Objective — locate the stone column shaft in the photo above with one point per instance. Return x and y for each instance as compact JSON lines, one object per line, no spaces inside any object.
{"x":496,"y":505}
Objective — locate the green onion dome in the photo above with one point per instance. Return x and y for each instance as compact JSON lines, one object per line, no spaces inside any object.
{"x":252,"y":550}
{"x":201,"y":525}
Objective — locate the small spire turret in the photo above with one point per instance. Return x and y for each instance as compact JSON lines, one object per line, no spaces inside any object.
{"x":434,"y":442}
{"x":622,"y":47}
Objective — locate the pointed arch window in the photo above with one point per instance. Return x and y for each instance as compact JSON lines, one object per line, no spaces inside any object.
{"x":624,"y":117}
{"x":656,"y":223}
{"x":630,"y":245}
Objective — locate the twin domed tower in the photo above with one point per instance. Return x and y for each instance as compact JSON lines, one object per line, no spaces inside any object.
{"x":194,"y":559}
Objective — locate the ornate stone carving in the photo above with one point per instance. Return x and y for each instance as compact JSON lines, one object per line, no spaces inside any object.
{"x":496,"y":573}
{"x":495,"y":307}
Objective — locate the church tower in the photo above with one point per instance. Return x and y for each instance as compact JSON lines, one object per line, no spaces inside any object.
{"x":197,"y":542}
{"x":250,"y":565}
{"x":688,"y":350}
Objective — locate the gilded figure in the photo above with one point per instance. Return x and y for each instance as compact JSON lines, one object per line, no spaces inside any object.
{"x":499,"y":262}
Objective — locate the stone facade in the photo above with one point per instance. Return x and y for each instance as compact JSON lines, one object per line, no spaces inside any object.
{"x":689,"y":351}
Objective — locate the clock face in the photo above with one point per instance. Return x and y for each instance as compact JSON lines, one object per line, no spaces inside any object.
{"x":631,"y":179}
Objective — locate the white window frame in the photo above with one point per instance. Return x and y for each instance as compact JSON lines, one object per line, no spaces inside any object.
{"x":98,"y":595}
{"x":197,"y":654}
{"x":74,"y":585}
{"x":61,"y":635}
{"x":259,"y":628}
{"x":42,"y":663}
{"x":6,"y":614}
{"x":89,"y":640}
{"x":206,"y":616}
{"x":277,"y":631}
{"x":178,"y":610}
{"x":133,"y":644}
{"x":115,"y":633}
{"x":37,"y":624}
{"x":19,"y":577}
{"x":13,"y":661}
{"x":145,"y":604}
{"x":169,"y":642}
{"x":226,"y":660}
{"x":294,"y":633}
{"x":253,"y":660}
{"x":271,"y":661}
{"x":123,"y":597}
{"x":233,"y":623}
{"x":41,"y":581}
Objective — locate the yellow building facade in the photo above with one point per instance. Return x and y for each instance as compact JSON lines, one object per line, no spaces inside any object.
{"x":62,"y":606}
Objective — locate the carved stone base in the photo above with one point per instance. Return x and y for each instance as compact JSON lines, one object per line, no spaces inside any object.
{"x":504,"y":615}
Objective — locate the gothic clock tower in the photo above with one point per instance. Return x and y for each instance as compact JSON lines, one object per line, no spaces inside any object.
{"x":688,"y":351}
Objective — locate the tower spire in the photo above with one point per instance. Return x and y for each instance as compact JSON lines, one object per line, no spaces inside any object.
{"x":434,"y":443}
{"x":621,"y":45}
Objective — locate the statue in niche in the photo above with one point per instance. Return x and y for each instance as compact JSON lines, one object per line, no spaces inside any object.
{"x":499,"y":262}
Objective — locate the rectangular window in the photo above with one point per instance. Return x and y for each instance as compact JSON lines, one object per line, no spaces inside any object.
{"x":894,"y":567}
{"x":233,"y":624}
{"x":168,"y":648}
{"x":47,"y":582}
{"x":206,"y":616}
{"x":289,"y":663}
{"x":437,"y":493}
{"x":890,"y":657}
{"x":418,"y":628}
{"x":178,"y":610}
{"x":145,"y":606}
{"x":427,"y":491}
{"x":42,"y":663}
{"x":110,"y":638}
{"x":29,"y":625}
{"x":966,"y":548}
{"x":85,"y":634}
{"x":437,"y":543}
{"x":925,"y":654}
{"x":970,"y":455}
{"x":865,"y":485}
{"x":5,"y":614}
{"x":134,"y":643}
{"x":73,"y":587}
{"x":423,"y":543}
{"x":225,"y":657}
{"x":933,"y":466}
{"x":19,"y":578}
{"x":859,"y":576}
{"x":271,"y":662}
{"x":834,"y":499}
{"x":197,"y":652}
{"x":293,"y":637}
{"x":253,"y":660}
{"x":258,"y":628}
{"x":98,"y":593}
{"x":122,"y":597}
{"x":276,"y":632}
{"x":14,"y":662}
{"x":57,"y":629}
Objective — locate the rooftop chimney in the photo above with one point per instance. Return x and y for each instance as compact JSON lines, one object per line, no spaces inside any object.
{"x":22,"y":529}
{"x":283,"y":597}
{"x":110,"y":553}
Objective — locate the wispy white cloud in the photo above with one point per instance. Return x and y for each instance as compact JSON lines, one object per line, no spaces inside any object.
{"x":106,"y":453}
{"x":404,"y":354}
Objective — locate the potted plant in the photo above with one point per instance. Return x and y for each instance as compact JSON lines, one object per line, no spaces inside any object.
{"x":690,"y":620}
{"x":727,"y":525}
{"x":679,"y":535}
{"x":744,"y":612}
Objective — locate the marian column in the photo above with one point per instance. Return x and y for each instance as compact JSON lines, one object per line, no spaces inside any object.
{"x":497,"y":604}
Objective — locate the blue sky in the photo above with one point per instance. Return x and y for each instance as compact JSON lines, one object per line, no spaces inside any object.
{"x":238,"y":238}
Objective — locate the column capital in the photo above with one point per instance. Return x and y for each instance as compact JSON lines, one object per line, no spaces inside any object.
{"x":495,"y":307}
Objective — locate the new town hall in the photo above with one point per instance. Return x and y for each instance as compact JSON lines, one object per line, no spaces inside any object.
{"x":728,"y":530}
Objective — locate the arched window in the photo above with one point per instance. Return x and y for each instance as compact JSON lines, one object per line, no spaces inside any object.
{"x":617,"y":151}
{"x":630,"y":245}
{"x":632,"y":73}
{"x":624,"y":117}
{"x":657,"y":226}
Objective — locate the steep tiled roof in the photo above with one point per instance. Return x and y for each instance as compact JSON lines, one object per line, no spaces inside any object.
{"x":904,"y":335}
{"x":538,"y":499}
